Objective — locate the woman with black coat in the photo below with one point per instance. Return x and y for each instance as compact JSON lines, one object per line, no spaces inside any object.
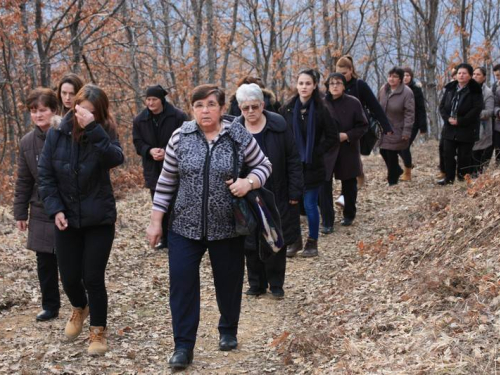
{"x":276,"y":140}
{"x":28,"y":207}
{"x":420,"y":124}
{"x":359,"y":89}
{"x":460,"y":109}
{"x":344,"y":161}
{"x":75,"y":187}
{"x":314,"y":134}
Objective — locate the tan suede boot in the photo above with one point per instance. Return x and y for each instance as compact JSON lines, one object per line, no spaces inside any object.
{"x":98,"y":343}
{"x":406,"y":175}
{"x":75,"y":323}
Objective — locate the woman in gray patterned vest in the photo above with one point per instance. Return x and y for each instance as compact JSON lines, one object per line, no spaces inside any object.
{"x":198,"y":171}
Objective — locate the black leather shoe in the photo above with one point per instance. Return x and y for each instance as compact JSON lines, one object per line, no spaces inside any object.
{"x":444,"y":181}
{"x":278,"y":293}
{"x":46,"y":315}
{"x":161,"y":245}
{"x":253,"y":291}
{"x":227,"y":342}
{"x":346,"y":222}
{"x":181,"y":359}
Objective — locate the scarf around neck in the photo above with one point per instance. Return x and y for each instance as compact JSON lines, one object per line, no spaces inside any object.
{"x":305,"y":146}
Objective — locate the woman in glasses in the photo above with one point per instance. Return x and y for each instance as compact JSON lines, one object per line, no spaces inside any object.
{"x":275,"y":138}
{"x":198,"y":170}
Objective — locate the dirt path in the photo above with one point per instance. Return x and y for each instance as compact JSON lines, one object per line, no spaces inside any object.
{"x":139,"y":318}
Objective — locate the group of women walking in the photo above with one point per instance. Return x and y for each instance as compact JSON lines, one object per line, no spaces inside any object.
{"x":197,"y":170}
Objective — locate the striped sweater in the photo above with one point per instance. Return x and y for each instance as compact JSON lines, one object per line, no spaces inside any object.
{"x":196,"y":170}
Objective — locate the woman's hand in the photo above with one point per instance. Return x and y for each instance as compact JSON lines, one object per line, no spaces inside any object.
{"x":83,"y":116}
{"x":343,"y":137}
{"x":453,"y":121}
{"x":240,"y":188}
{"x":61,"y":222}
{"x":293,"y":202}
{"x":157,"y":153}
{"x":154,"y":233}
{"x":22,"y":225}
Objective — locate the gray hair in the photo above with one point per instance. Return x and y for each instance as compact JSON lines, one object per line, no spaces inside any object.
{"x":247,"y":92}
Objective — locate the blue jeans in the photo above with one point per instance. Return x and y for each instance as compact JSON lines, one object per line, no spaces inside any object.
{"x":228,"y":266}
{"x":312,"y":212}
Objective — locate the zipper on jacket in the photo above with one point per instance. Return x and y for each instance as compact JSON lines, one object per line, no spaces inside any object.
{"x":204,"y":208}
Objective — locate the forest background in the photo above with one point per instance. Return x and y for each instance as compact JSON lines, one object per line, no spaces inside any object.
{"x":125,"y":45}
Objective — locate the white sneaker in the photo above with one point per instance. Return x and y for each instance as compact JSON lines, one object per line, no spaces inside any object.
{"x":340,"y":201}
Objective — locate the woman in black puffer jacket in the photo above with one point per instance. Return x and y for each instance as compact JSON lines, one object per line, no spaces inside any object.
{"x":76,"y":189}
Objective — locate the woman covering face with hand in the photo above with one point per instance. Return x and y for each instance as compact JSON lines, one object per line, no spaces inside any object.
{"x":76,"y":190}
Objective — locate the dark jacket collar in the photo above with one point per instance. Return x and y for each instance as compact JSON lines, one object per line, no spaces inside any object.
{"x":146,"y":114}
{"x":473,"y":86}
{"x":66,"y":125}
{"x":275,"y":122}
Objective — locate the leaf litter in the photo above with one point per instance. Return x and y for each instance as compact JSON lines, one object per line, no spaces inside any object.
{"x":412,"y":287}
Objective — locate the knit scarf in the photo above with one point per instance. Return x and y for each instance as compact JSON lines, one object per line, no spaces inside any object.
{"x":305,"y":146}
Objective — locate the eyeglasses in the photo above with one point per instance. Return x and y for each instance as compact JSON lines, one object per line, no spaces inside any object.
{"x":335,"y":84}
{"x":211,"y":106}
{"x":253,"y":107}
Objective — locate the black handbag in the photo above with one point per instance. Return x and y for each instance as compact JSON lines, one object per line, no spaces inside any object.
{"x":370,"y":138}
{"x":244,"y":217}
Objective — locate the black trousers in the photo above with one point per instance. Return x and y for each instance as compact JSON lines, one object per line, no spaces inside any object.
{"x":227,"y":259}
{"x":392,"y":163}
{"x":326,"y":203}
{"x":481,"y":159}
{"x":164,"y":222}
{"x":270,"y":273}
{"x":350,"y":193}
{"x":406,"y":153}
{"x":441,"y":155}
{"x":46,"y":264}
{"x":82,"y":254}
{"x":496,"y":146}
{"x":457,"y":155}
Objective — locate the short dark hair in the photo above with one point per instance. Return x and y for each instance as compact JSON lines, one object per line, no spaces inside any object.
{"x":204,"y":91}
{"x":408,"y":70}
{"x":398,"y":71}
{"x":42,"y":96}
{"x":337,"y":76}
{"x":251,"y":79}
{"x":465,"y":66}
{"x":496,"y":67}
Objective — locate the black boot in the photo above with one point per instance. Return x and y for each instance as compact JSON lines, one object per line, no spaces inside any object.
{"x":227,"y":342}
{"x":294,"y":248}
{"x":311,"y":248}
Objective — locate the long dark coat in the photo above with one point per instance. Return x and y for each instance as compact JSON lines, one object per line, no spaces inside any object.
{"x":420,"y":111}
{"x":147,"y":135}
{"x":345,"y":159}
{"x":399,"y":106}
{"x":326,"y":137}
{"x":286,"y":181}
{"x":74,"y":176}
{"x":27,"y":203}
{"x":468,"y":112}
{"x":359,"y":89}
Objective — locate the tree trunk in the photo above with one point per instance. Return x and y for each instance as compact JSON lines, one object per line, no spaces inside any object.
{"x":229,"y":44}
